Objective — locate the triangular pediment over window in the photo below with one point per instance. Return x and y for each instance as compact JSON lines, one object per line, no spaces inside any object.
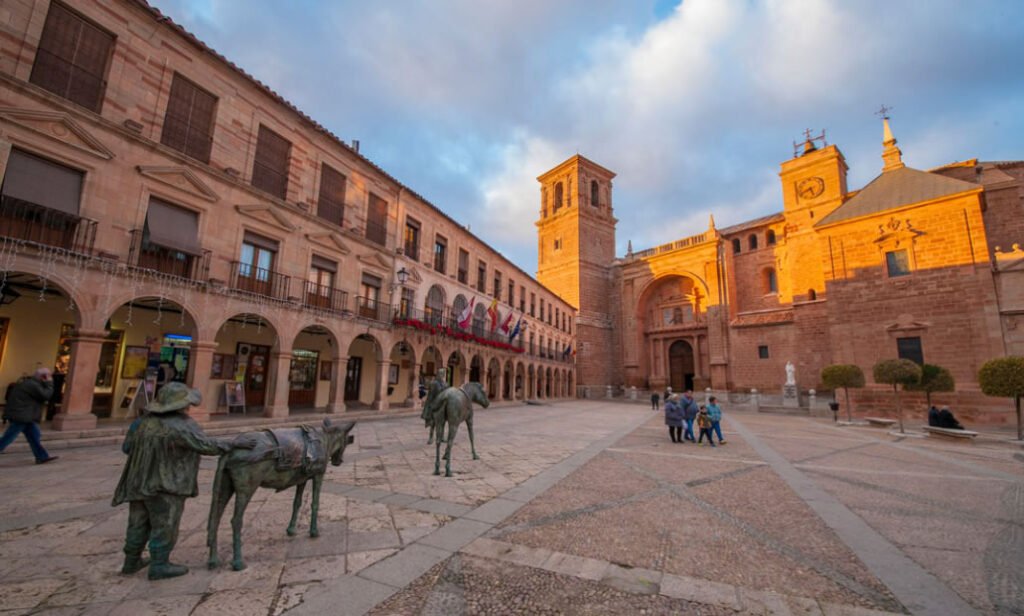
{"x":59,"y":127}
{"x":267,"y":214}
{"x":906,"y":324}
{"x":375,"y":260}
{"x":329,"y":239}
{"x":181,"y":178}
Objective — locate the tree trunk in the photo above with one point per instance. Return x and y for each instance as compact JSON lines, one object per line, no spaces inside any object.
{"x":1020,"y":434}
{"x":849,"y":417}
{"x":899,"y":409}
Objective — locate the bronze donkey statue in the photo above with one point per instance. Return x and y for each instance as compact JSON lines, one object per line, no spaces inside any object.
{"x":276,"y":459}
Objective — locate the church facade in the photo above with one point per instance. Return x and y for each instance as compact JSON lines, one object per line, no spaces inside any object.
{"x":924,"y":265}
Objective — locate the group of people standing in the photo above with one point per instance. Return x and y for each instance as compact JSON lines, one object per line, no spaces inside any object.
{"x":682,"y":411}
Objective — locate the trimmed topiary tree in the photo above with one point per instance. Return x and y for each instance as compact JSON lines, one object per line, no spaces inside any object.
{"x":897,"y":372}
{"x":933,"y":378}
{"x":1004,"y":377}
{"x":845,"y":376}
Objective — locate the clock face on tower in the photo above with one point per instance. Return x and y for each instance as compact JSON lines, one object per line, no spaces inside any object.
{"x":809,"y":188}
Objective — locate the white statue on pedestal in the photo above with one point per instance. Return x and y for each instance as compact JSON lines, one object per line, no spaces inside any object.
{"x":790,"y":373}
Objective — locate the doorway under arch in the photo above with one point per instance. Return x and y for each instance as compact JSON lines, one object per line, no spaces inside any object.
{"x":680,"y":366}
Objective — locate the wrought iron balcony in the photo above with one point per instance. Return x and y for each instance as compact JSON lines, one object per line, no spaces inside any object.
{"x":324,"y":297}
{"x":251,"y":279}
{"x":370,"y":308}
{"x":29,"y":222}
{"x":148,"y":255}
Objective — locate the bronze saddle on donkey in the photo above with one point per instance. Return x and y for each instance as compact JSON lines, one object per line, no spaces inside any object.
{"x":300,"y":448}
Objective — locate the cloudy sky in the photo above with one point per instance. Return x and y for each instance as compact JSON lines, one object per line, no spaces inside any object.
{"x":694,"y":104}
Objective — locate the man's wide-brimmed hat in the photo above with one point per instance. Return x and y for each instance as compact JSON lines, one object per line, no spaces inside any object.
{"x":174,"y":397}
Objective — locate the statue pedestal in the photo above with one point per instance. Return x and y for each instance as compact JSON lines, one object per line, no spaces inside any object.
{"x":790,"y":398}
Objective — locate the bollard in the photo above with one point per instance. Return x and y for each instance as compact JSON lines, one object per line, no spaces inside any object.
{"x":608,"y":392}
{"x":755,"y":399}
{"x":632,"y":393}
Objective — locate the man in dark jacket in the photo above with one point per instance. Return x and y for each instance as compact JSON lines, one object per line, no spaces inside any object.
{"x":24,"y":411}
{"x":163,"y":450}
{"x":689,"y":414}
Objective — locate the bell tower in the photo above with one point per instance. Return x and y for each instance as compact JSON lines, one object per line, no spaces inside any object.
{"x":575,"y":251}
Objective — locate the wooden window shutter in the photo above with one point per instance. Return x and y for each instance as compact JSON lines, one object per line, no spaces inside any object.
{"x":377,"y":220}
{"x":72,"y":57}
{"x":270,"y":168}
{"x":189,"y":121}
{"x":331,"y":203}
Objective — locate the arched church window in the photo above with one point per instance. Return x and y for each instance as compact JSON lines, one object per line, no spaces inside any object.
{"x":812,"y":294}
{"x":770,"y":237}
{"x":558,"y":198}
{"x":595,"y":194}
{"x":771,"y":283}
{"x":736,"y":246}
{"x":752,"y":241}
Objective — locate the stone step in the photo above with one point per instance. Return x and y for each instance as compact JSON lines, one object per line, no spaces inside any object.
{"x":784,"y":410}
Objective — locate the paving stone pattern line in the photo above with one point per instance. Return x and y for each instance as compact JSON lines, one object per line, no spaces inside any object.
{"x":916,"y":588}
{"x":1002,"y":566}
{"x":52,"y":517}
{"x":395,"y":572}
{"x":693,"y":589}
{"x":764,"y":538}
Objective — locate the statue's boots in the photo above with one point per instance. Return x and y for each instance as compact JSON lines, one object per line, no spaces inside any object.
{"x":134,"y":563}
{"x":161,"y":568}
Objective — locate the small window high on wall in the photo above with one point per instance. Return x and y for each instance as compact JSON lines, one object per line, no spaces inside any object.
{"x":910,"y":348}
{"x":558,"y":198}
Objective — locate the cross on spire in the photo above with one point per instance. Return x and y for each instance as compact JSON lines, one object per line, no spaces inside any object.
{"x":883,"y":112}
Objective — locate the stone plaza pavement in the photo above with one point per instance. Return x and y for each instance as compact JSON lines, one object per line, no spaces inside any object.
{"x":580,"y":507}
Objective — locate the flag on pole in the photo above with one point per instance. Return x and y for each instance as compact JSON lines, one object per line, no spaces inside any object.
{"x":568,"y":349}
{"x":492,"y":313}
{"x":515,"y":330}
{"x":467,"y":315}
{"x":506,"y":325}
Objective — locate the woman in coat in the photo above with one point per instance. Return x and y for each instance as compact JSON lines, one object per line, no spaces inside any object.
{"x":674,"y":418}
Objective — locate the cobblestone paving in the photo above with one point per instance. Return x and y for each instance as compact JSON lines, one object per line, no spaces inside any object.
{"x":573,"y":508}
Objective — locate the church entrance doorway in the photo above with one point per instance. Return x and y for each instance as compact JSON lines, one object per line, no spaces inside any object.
{"x":680,"y":366}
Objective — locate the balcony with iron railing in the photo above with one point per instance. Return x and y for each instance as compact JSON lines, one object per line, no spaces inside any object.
{"x":248,"y":278}
{"x":148,"y":255}
{"x":324,"y":298}
{"x":30,"y":222}
{"x":373,"y":309}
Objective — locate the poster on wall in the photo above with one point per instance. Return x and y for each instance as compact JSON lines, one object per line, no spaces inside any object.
{"x":325,"y":370}
{"x":134,"y":364}
{"x":234,"y":396}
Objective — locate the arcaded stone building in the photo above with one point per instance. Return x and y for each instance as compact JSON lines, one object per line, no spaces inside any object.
{"x":165,"y":216}
{"x":925,"y":265}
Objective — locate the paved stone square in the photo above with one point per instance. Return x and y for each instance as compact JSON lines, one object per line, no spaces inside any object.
{"x":581,"y":507}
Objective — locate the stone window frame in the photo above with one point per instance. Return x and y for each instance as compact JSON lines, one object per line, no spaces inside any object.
{"x":894,"y":236}
{"x":769,"y":281}
{"x":763,"y":352}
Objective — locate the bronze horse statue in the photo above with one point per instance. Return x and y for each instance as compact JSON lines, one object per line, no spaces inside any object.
{"x":454,"y":406}
{"x":276,"y":459}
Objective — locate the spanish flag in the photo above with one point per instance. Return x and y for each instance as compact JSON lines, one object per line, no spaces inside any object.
{"x":492,"y":314}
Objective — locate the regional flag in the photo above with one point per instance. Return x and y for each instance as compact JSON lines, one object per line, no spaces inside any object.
{"x":568,"y":349}
{"x":506,"y":325}
{"x":492,"y":313}
{"x":467,"y":315}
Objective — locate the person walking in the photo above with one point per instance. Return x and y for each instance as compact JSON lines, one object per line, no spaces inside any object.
{"x":24,"y":411}
{"x":655,"y":398}
{"x":715,"y":415}
{"x":704,"y":425}
{"x":674,"y":419}
{"x":163,"y":449}
{"x":689,"y":414}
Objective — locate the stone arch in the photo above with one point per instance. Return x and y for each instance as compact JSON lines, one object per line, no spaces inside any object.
{"x":520,"y":385}
{"x":458,"y":305}
{"x":752,"y":241}
{"x":46,"y":315}
{"x":458,"y":370}
{"x":548,"y":389}
{"x":401,"y":387}
{"x":769,"y":281}
{"x":559,"y":198}
{"x":254,"y":342}
{"x":494,"y":379}
{"x":433,"y":305}
{"x":311,"y":346}
{"x":476,"y":368}
{"x":531,"y":382}
{"x":508,"y":380}
{"x":362,"y":375}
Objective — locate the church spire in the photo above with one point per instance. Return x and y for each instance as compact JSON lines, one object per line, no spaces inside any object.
{"x":891,"y":155}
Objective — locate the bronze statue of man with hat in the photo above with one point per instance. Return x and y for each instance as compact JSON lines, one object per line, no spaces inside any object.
{"x":163,"y":448}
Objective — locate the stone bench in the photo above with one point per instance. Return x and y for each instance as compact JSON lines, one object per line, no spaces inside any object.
{"x":880,"y":422}
{"x":949,"y":432}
